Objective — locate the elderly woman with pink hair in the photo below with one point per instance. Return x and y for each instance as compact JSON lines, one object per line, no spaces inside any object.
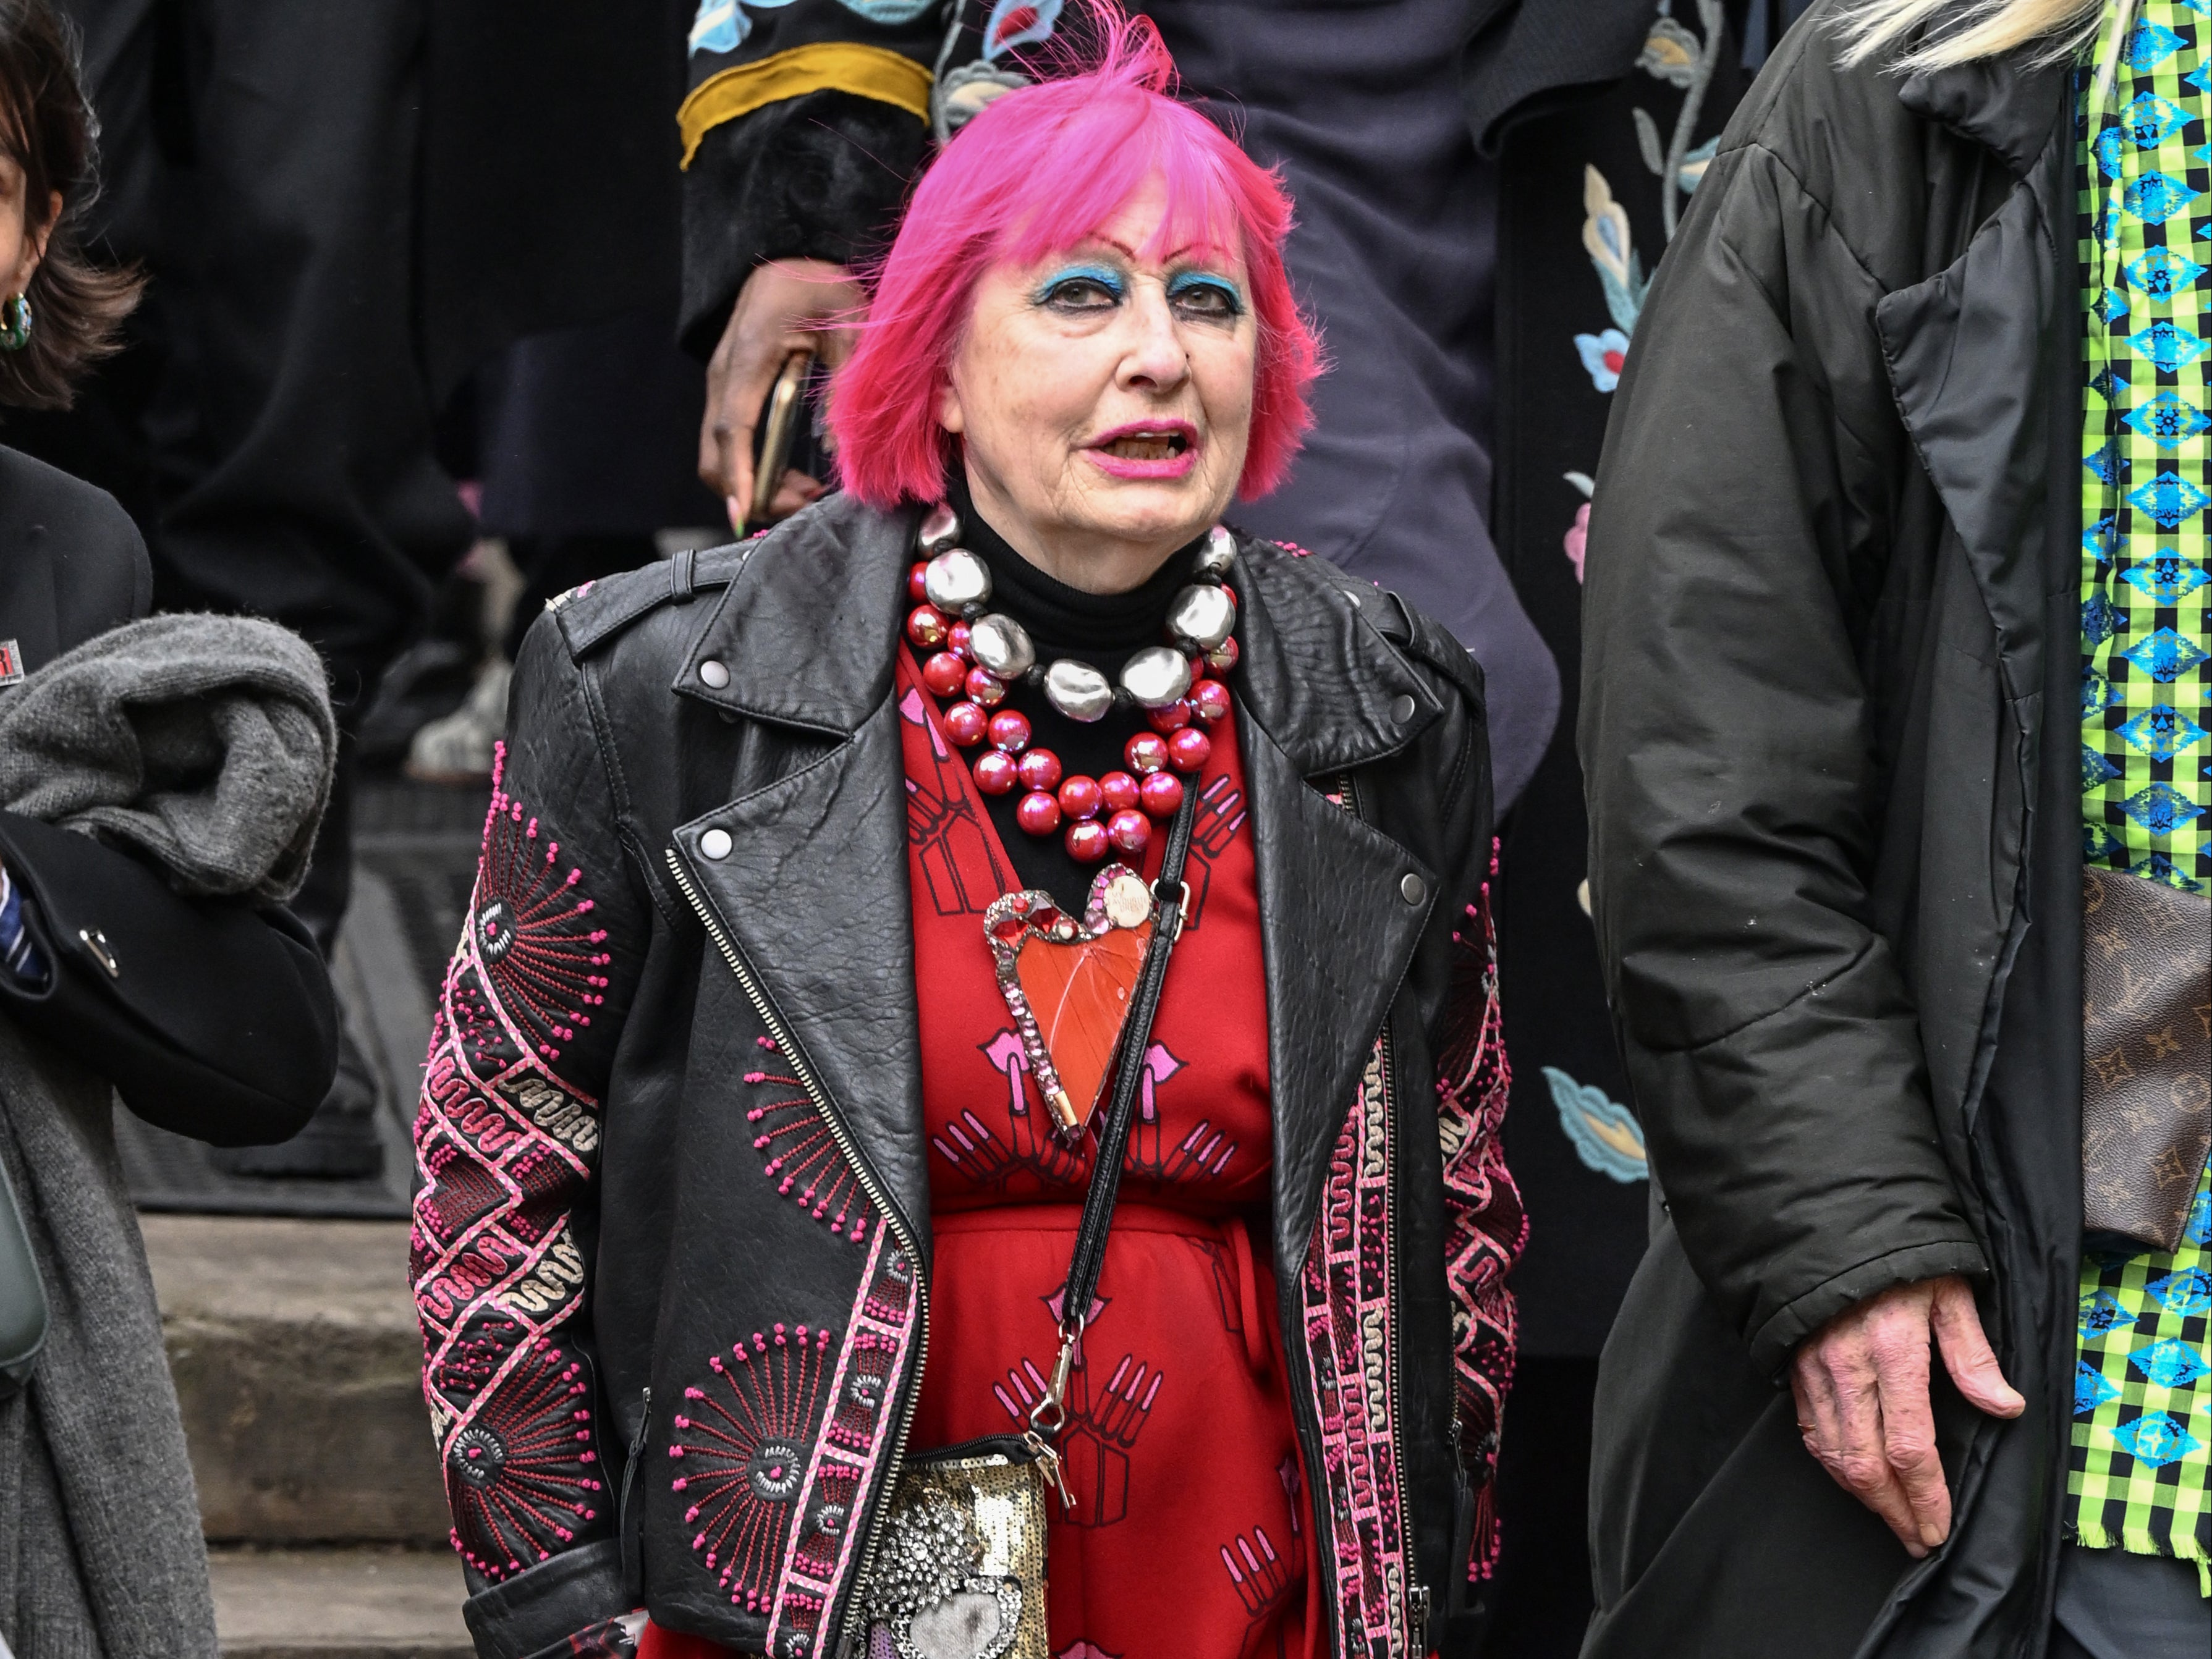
{"x":964,"y":1117}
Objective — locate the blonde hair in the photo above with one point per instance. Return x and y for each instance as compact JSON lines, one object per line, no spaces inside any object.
{"x":1977,"y":30}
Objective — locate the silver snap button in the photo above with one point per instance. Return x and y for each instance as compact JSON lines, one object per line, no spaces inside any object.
{"x":713,"y":674}
{"x":715,"y":845}
{"x":1413,"y":888}
{"x":1401,"y":708}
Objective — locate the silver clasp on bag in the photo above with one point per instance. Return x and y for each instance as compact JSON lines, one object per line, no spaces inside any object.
{"x":1049,"y":1415}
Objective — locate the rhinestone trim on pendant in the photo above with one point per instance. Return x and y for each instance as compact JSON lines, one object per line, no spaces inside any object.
{"x":976,"y":655}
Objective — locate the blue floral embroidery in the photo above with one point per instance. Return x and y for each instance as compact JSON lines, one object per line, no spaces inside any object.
{"x":1012,"y":23}
{"x":720,"y":26}
{"x":1607,"y":1136}
{"x":1603,"y":355}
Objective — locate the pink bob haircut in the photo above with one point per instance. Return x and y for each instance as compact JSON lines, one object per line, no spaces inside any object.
{"x":1038,"y":171}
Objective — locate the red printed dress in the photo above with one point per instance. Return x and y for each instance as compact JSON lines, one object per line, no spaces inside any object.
{"x":1188,"y":1538}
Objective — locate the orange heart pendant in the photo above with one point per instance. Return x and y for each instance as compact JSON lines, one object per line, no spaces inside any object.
{"x":1068,"y":983}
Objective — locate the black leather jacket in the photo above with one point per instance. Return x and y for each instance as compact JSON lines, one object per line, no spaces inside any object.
{"x":697,"y":857}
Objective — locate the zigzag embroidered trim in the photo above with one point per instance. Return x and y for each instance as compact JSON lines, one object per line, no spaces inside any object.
{"x":503,"y":1144}
{"x":1487,"y":1226}
{"x":543,"y":962}
{"x":801,"y":1155}
{"x":742,"y":1442}
{"x":1346,"y":1287}
{"x":521,"y":1475}
{"x":850,"y":1450}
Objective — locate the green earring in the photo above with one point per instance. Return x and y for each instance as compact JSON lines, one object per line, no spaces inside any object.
{"x":15,"y":321}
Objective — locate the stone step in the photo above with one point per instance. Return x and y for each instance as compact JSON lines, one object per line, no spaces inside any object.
{"x":339,"y":1604}
{"x":299,"y":1370}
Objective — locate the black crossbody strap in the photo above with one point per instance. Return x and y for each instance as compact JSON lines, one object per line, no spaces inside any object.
{"x":1171,"y":896}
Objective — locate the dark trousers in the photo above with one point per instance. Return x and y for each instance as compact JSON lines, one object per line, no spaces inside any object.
{"x":1540,"y":1598}
{"x":2112,"y":1604}
{"x":270,"y":425}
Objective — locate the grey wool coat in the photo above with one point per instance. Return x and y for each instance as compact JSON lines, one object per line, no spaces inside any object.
{"x":1828,"y":740}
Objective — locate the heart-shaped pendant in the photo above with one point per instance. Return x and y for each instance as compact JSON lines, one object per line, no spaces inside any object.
{"x":1068,"y":983}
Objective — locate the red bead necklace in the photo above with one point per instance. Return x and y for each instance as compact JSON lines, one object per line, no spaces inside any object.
{"x":1113,"y":813}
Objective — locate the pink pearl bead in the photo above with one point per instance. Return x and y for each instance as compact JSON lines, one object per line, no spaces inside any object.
{"x":1147,"y":752}
{"x":1223,"y":657}
{"x":926,"y":626}
{"x":943,"y":673}
{"x":1009,"y":730}
{"x":1038,"y":814}
{"x":1210,"y":699}
{"x":986,"y":687}
{"x":1131,"y":831}
{"x":965,"y":723}
{"x":1081,"y":797}
{"x":917,"y":583}
{"x":957,"y":637}
{"x":994,"y":772}
{"x":1173,"y":717}
{"x":1087,"y":842}
{"x":1041,"y":770}
{"x":1188,"y":749}
{"x":1119,"y":790}
{"x":1161,"y":794}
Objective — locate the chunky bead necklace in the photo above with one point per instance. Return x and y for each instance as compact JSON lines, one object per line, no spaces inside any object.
{"x":977,"y":654}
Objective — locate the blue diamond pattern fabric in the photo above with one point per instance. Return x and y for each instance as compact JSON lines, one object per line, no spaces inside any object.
{"x":2091,"y":1390}
{"x":2156,"y":1438}
{"x":2159,"y":808}
{"x":2156,"y":198}
{"x":2168,"y":498}
{"x":2162,"y":731}
{"x":2149,"y":120}
{"x":2171,"y":1363}
{"x":2186,"y":1293}
{"x":2102,"y":1312}
{"x":2165,"y":579}
{"x":2167,"y":344}
{"x":2166,"y":656}
{"x":2139,"y":1476}
{"x":2151,"y":45}
{"x":2162,"y":273}
{"x":2168,"y":420}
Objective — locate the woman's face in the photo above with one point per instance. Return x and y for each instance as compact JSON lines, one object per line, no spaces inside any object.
{"x":20,"y":247}
{"x":1103,"y":399}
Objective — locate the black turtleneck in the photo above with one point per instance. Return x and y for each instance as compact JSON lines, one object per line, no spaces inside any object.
{"x":1102,"y":629}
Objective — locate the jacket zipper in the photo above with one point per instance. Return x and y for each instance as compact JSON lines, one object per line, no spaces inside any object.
{"x":1416,"y":1593}
{"x":877,"y":1196}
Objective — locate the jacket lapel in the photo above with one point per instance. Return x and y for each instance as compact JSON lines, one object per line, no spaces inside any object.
{"x":1316,"y":690}
{"x":1968,"y":349}
{"x":813,"y":890}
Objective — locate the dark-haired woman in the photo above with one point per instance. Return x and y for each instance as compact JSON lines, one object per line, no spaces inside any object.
{"x":101,"y":1552}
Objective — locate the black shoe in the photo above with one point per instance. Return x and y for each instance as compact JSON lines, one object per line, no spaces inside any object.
{"x":339,"y":1143}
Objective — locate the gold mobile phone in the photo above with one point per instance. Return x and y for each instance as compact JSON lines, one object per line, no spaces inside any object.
{"x":780,"y":422}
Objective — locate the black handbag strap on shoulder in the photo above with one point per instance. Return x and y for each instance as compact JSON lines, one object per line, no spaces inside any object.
{"x":1171,"y":900}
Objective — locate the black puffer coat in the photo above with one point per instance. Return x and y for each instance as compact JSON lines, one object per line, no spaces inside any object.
{"x":697,"y":847}
{"x":1829,"y":743}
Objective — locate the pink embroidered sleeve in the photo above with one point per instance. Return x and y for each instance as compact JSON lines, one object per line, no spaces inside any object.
{"x":1487,"y":1226}
{"x":506,"y":1139}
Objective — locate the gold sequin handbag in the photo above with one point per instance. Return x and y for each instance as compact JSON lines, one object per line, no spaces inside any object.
{"x":959,"y":1572}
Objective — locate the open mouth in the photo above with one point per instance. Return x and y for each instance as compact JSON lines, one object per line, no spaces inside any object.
{"x":1147,"y":445}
